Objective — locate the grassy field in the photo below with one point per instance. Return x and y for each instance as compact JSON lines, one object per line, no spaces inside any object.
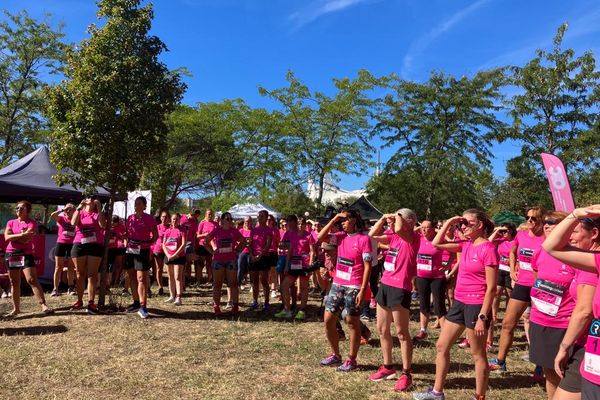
{"x":184,"y":352}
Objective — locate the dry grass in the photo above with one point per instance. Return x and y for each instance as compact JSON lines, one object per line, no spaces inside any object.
{"x":185,"y":353}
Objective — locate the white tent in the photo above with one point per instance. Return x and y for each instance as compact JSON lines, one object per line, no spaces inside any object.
{"x":331,"y":192}
{"x":125,"y":209}
{"x":251,"y":210}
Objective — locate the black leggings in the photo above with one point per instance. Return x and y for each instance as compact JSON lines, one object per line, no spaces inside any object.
{"x":437,"y":287}
{"x":374,"y":279}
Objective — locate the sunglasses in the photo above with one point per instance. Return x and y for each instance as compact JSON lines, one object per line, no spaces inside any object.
{"x":550,"y":221}
{"x":530,"y":218}
{"x":502,"y":231}
{"x":593,"y":222}
{"x":467,"y":222}
{"x":20,"y":208}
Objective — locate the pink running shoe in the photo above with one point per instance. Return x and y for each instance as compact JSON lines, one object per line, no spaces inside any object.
{"x":403,"y":383}
{"x":464,"y":344}
{"x":382,"y":374}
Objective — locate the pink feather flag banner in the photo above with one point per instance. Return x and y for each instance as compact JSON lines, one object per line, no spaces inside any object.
{"x":559,"y":183}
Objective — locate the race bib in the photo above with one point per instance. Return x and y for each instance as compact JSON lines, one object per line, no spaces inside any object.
{"x":343,"y":269}
{"x":16,"y":262}
{"x":591,"y":361}
{"x":389,"y":264}
{"x":296,"y":263}
{"x":225,"y":246}
{"x":503,"y":264}
{"x":171,"y":245}
{"x":546,"y":296}
{"x":89,"y":236}
{"x":133,"y":248}
{"x":424,"y":262}
{"x":69,"y":233}
{"x":525,"y":259}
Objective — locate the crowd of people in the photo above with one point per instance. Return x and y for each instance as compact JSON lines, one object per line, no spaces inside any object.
{"x":459,"y":270}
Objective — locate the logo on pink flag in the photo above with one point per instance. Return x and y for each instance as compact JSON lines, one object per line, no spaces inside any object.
{"x":559,"y":183}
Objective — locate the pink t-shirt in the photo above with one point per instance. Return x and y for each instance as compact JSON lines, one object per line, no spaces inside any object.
{"x":66,"y":231}
{"x":205,"y":227}
{"x":245,"y":233}
{"x":17,"y":226}
{"x":527,"y":246}
{"x":190,"y":226}
{"x":117,"y":234}
{"x":282,"y":239}
{"x":161,"y":229}
{"x":88,"y":229}
{"x":582,"y":278}
{"x":225,"y":241}
{"x":139,"y":230}
{"x":590,"y":367}
{"x":300,"y":243}
{"x":400,"y":264}
{"x":351,"y":251}
{"x":259,"y":236}
{"x":275,"y":241}
{"x":429,"y":260}
{"x":551,"y":300}
{"x":471,"y":283}
{"x":172,"y":239}
{"x":504,"y":248}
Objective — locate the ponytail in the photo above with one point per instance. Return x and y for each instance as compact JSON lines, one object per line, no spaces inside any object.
{"x":488,"y":225}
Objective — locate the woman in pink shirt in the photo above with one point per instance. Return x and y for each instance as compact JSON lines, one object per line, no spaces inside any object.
{"x":88,"y":249}
{"x":157,"y":250}
{"x":64,"y":245}
{"x":559,"y":245}
{"x":224,"y":243}
{"x":273,"y":276}
{"x":472,"y":307}
{"x":205,"y":227}
{"x":173,"y":243}
{"x":394,"y":295}
{"x":260,"y":262}
{"x":526,"y":244}
{"x":18,"y":234}
{"x":244,"y":256}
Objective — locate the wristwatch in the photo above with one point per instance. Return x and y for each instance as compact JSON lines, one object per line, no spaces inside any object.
{"x":482,"y":317}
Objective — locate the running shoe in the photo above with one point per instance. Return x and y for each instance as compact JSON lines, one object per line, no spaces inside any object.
{"x":497,"y":366}
{"x":229,"y":305}
{"x":92,"y":309}
{"x":538,"y":375}
{"x":253,"y":306}
{"x":133,"y":307}
{"x":77,"y":306}
{"x":403,"y":383}
{"x":365,"y":317}
{"x":331,"y":359}
{"x":464,"y":344}
{"x":373,"y":304}
{"x":414,"y":296}
{"x":216,"y":310}
{"x":55,"y":293}
{"x":125,"y":293}
{"x":171,"y":299}
{"x":348,"y":365}
{"x":177,"y":301}
{"x":71,"y":291}
{"x":300,"y":316}
{"x":265,"y":308}
{"x":422,"y":335}
{"x":429,"y":395}
{"x":143,"y":312}
{"x":477,"y":397}
{"x":283,"y":314}
{"x":382,"y":374}
{"x":4,"y":295}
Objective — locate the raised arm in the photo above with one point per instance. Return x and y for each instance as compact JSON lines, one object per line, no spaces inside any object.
{"x":324,"y":233}
{"x":439,"y":239}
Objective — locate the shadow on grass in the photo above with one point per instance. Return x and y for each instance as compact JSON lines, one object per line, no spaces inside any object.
{"x":512,"y":381}
{"x":33,"y":330}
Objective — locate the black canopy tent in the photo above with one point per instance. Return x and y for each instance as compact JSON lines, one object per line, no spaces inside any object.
{"x":366,"y":208}
{"x":30,"y":178}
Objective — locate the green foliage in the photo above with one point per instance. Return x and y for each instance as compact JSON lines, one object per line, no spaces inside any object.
{"x":30,"y":49}
{"x":109,"y":114}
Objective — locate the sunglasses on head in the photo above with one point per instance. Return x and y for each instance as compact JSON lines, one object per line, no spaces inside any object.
{"x":593,"y":222}
{"x":531,"y":218}
{"x":550,"y":221}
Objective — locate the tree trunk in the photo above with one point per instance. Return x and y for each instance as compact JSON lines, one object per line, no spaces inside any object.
{"x":103,"y":264}
{"x":321,"y":187}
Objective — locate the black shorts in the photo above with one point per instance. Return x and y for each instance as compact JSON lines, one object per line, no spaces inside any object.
{"x":88,"y":249}
{"x":139,"y":262}
{"x":202,"y":252}
{"x":160,"y":255}
{"x":389,"y":297}
{"x":271,"y":259}
{"x":504,"y":279}
{"x":175,"y":261}
{"x":63,"y":250}
{"x":299,"y":273}
{"x":544,"y":342}
{"x":19,"y":261}
{"x":262,"y":264}
{"x":572,"y":377}
{"x":427,"y":287}
{"x":589,"y":390}
{"x":112,"y":255}
{"x":466,"y":314}
{"x":522,"y":293}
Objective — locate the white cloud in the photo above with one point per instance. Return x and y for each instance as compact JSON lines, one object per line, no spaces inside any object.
{"x":319,"y":8}
{"x":418,"y":46}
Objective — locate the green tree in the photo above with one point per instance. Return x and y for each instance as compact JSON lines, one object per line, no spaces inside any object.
{"x":30,"y":49}
{"x":443,"y":129}
{"x":108,"y":116}
{"x":327,"y":134}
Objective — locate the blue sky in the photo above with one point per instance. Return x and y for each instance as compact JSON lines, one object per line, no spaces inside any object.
{"x":233,"y":46}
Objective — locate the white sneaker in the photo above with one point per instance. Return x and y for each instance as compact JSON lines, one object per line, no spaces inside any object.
{"x":178,"y":301}
{"x":170,"y":300}
{"x":274,"y":294}
{"x":143,"y":313}
{"x":4,"y":294}
{"x":229,"y":306}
